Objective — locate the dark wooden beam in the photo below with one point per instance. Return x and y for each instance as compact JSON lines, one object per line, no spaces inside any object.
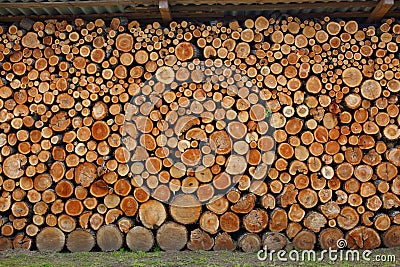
{"x":93,"y":3}
{"x":276,"y":7}
{"x":89,"y":3}
{"x":152,"y":13}
{"x":241,"y":2}
{"x":380,"y":10}
{"x":164,"y":10}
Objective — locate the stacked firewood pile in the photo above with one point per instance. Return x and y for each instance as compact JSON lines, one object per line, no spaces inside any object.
{"x":218,"y":136}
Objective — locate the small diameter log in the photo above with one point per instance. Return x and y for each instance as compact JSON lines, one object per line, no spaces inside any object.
{"x":382,"y":222}
{"x":139,"y":239}
{"x":22,"y":241}
{"x":109,"y":238}
{"x":80,"y":240}
{"x":245,"y":204}
{"x":50,"y":239}
{"x":209,"y":222}
{"x":172,"y":236}
{"x":219,"y":205}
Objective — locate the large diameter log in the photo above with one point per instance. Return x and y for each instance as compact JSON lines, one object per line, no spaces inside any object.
{"x":304,"y":240}
{"x":85,"y":173}
{"x":172,"y":236}
{"x":363,"y":238}
{"x":274,"y":241}
{"x":23,"y":242}
{"x":250,"y":242}
{"x":80,"y":240}
{"x":5,"y":243}
{"x":200,"y":240}
{"x":140,"y":239}
{"x":391,"y":237}
{"x":109,"y":238}
{"x":223,"y":241}
{"x":328,"y":238}
{"x":50,"y":239}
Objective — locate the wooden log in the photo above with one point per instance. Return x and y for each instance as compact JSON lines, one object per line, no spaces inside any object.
{"x":219,"y":205}
{"x":363,"y":238}
{"x":124,"y":42}
{"x":109,"y":238}
{"x":184,"y":51}
{"x":348,"y":218}
{"x":256,"y":221}
{"x":304,"y":240}
{"x":274,"y":241}
{"x":278,"y":221}
{"x":172,"y":236}
{"x":229,"y":222}
{"x":371,"y":89}
{"x":223,"y":241}
{"x":152,"y":214}
{"x":352,"y":77}
{"x":200,"y":240}
{"x":389,"y":238}
{"x":315,"y":221}
{"x":85,"y":174}
{"x":80,"y":240}
{"x":250,"y":242}
{"x":296,"y":213}
{"x":50,"y":239}
{"x":209,"y":222}
{"x":185,"y":209}
{"x":129,"y":206}
{"x":328,"y":238}
{"x":5,"y":243}
{"x":22,"y":242}
{"x":245,"y":204}
{"x":13,"y":165}
{"x":140,"y":239}
{"x":308,"y":198}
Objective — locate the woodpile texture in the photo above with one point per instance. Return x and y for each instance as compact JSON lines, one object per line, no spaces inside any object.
{"x":86,"y":126}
